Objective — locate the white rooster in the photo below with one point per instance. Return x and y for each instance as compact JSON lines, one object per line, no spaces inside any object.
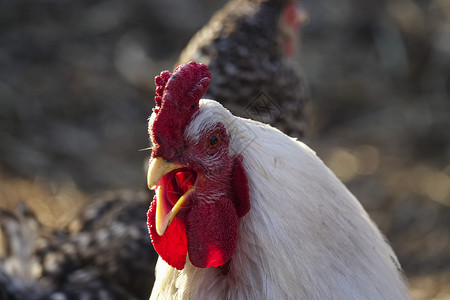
{"x":243,"y":211}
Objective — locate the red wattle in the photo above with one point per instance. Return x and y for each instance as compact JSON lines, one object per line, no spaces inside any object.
{"x":212,"y":232}
{"x":172,"y":245}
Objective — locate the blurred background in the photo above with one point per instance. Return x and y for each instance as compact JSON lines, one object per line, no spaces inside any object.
{"x":76,"y":89}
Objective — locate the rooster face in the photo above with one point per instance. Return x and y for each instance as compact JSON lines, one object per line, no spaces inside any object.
{"x":201,"y":170}
{"x":201,"y":189}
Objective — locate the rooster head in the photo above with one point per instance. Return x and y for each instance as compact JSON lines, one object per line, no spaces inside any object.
{"x":201,"y":187}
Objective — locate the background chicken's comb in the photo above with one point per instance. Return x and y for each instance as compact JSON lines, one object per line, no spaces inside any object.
{"x":176,"y":99}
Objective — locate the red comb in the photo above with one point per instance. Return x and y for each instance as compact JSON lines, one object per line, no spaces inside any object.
{"x":177,"y":97}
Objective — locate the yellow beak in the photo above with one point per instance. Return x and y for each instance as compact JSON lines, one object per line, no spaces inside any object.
{"x":164,"y":213}
{"x":157,"y":169}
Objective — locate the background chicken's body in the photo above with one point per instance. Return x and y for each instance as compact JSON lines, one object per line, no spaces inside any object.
{"x":243,"y":46}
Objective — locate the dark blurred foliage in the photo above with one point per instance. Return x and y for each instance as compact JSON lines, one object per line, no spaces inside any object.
{"x":76,"y":88}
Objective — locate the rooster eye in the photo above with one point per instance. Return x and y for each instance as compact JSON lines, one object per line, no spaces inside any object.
{"x":213,"y":141}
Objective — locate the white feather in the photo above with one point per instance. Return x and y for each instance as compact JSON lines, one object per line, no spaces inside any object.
{"x":305,"y":237}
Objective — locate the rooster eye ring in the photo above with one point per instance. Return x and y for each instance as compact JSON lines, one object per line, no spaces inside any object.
{"x":213,"y":141}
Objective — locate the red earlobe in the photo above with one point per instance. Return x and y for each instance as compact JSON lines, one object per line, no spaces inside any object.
{"x":239,"y":184}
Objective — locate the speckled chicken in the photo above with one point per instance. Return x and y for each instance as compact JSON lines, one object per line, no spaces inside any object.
{"x":107,"y":258}
{"x":249,"y":47}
